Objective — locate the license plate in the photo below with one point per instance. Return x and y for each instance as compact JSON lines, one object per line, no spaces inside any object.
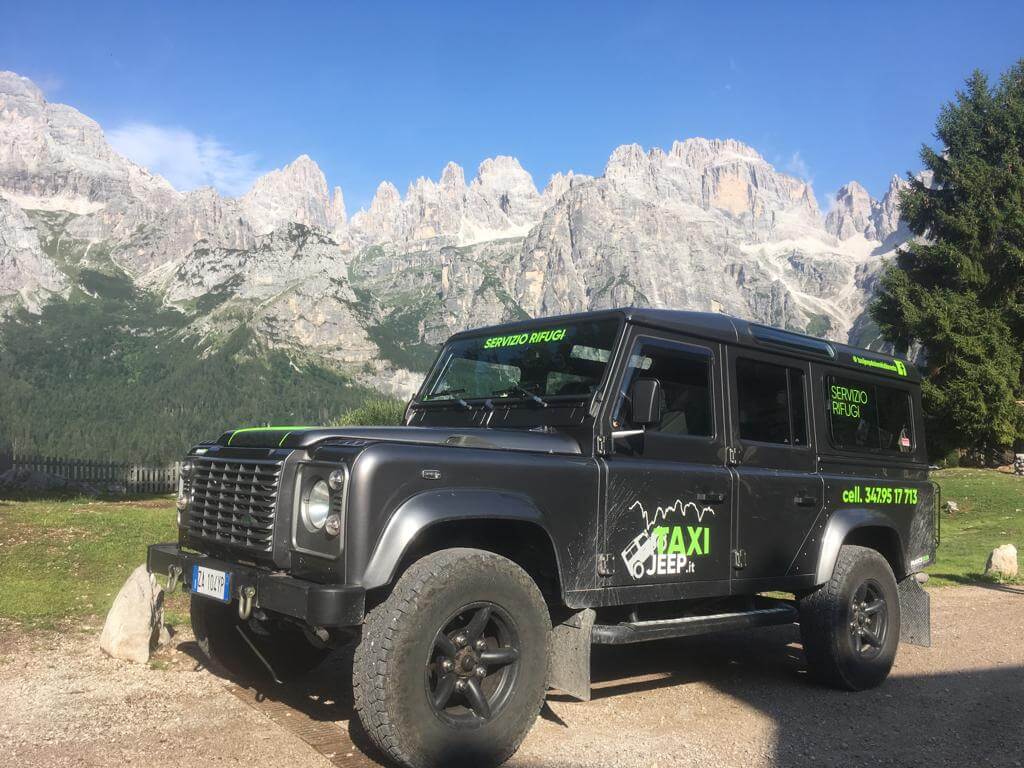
{"x":211,"y":583}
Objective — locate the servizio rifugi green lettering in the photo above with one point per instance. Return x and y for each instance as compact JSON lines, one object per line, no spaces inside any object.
{"x":519,"y":339}
{"x":847,"y":401}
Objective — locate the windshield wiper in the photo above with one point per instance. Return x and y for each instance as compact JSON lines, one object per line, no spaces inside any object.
{"x":516,"y":389}
{"x":452,"y":394}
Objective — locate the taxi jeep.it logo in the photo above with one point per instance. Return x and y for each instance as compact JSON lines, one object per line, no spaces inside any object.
{"x":663,"y":549}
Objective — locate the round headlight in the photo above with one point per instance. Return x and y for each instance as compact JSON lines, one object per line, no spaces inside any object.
{"x":337,"y":480}
{"x":316,"y":506}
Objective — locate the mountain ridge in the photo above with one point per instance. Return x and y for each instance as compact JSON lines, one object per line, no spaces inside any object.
{"x":707,"y":224}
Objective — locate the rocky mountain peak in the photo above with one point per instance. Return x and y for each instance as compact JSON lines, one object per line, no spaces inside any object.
{"x":700,"y":152}
{"x":453,"y":177}
{"x":856,"y":212}
{"x":13,"y":85}
{"x":386,"y":199}
{"x":560,"y":183}
{"x":852,"y":213}
{"x":296,"y":193}
{"x":626,"y":161}
{"x":503,"y":171}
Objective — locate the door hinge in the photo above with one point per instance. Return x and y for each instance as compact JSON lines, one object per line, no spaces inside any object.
{"x":602,"y":444}
{"x":732,"y":456}
{"x":605,"y":565}
{"x":739,"y":559}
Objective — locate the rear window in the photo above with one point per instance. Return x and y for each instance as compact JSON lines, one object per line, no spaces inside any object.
{"x":771,"y":403}
{"x":864,"y":416}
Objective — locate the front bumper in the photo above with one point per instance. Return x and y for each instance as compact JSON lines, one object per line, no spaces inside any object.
{"x":319,"y":605}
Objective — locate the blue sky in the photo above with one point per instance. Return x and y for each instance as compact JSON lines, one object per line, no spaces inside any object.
{"x":216,"y":92}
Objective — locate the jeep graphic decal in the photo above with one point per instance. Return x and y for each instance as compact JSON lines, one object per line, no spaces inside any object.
{"x":666,"y":550}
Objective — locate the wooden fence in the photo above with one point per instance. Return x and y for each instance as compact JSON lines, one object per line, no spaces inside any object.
{"x":110,"y":476}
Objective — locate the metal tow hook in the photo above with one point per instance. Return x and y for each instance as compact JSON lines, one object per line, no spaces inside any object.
{"x":245,"y":596}
{"x":173,"y":578}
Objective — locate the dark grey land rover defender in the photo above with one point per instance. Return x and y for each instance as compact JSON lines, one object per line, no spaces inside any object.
{"x":603,"y":478}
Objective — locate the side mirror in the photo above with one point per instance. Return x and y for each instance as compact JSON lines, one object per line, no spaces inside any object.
{"x":645,"y":395}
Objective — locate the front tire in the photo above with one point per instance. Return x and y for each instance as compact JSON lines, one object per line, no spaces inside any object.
{"x":453,"y":666}
{"x":851,"y":626}
{"x":216,"y":627}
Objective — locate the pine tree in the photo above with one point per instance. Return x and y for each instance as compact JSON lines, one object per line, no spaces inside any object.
{"x":958,"y":290}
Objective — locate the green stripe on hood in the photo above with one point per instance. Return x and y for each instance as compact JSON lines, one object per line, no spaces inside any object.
{"x":253,"y":430}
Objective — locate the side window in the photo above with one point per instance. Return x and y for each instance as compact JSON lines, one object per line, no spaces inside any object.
{"x":869,"y":417}
{"x":772,"y":406}
{"x":685,"y":376}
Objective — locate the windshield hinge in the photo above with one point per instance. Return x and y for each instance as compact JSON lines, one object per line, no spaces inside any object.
{"x":739,"y":559}
{"x":732,"y":456}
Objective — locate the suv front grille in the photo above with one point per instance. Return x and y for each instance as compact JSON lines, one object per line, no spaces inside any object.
{"x":233,"y":502}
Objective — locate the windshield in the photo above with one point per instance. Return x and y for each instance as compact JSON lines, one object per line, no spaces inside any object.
{"x":547,"y":362}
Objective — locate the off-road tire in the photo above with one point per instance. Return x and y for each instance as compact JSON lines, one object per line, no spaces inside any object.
{"x":397,"y":642}
{"x":286,"y":649}
{"x":825,"y":622}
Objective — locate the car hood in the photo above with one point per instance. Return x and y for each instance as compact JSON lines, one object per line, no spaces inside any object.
{"x":494,"y":439}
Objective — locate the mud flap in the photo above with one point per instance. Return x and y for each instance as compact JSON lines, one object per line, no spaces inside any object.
{"x":570,"y":655}
{"x":915,"y":613}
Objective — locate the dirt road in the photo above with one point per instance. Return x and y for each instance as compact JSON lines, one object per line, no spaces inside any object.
{"x":734,"y":700}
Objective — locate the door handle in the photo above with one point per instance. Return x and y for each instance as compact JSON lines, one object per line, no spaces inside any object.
{"x":802,"y":500}
{"x":711,"y":497}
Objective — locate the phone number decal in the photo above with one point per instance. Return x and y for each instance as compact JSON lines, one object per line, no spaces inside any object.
{"x":879,"y":494}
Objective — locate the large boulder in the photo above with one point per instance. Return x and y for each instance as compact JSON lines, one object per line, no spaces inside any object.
{"x":1002,"y":563}
{"x":135,"y":624}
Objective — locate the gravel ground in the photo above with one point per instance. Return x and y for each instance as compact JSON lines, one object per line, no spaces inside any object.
{"x":733,"y":700}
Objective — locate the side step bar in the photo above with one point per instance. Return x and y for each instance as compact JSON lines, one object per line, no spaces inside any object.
{"x":661,"y":629}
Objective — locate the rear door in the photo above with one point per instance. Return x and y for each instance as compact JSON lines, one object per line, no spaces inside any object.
{"x":779,"y":491}
{"x":667,"y":506}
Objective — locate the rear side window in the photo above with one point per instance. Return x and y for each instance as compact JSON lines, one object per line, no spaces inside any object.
{"x":771,"y":402}
{"x":864,"y":416}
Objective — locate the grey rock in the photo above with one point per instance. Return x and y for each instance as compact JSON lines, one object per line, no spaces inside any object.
{"x":135,"y":623}
{"x":1002,"y":562}
{"x":952,"y":507}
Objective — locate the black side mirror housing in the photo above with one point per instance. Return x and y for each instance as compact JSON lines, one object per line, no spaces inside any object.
{"x":645,"y":396}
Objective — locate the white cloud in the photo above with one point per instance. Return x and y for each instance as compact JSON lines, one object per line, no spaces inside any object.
{"x":185,"y":159}
{"x":48,"y":84}
{"x":798,"y":167}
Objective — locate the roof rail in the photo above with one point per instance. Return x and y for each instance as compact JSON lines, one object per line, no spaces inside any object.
{"x":768,"y":335}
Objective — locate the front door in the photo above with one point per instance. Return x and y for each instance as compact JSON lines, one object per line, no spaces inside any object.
{"x":668,"y":494}
{"x":779,"y":491}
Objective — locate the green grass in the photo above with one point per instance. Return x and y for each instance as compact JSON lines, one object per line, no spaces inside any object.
{"x":64,"y":560}
{"x":991,"y":513}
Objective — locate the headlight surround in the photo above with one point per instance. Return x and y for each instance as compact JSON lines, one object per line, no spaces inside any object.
{"x":184,"y":497}
{"x":316,"y":506}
